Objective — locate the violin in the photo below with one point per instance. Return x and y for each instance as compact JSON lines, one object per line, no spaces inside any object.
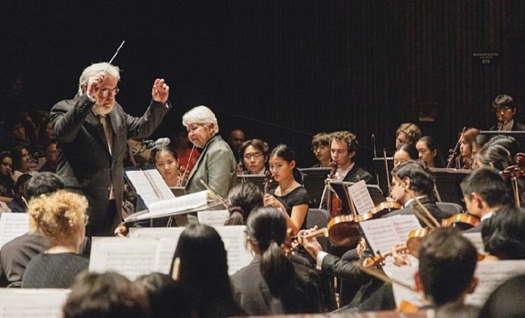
{"x":462,"y":221}
{"x":335,"y":204}
{"x":342,"y":230}
{"x":379,"y":210}
{"x":514,"y":172}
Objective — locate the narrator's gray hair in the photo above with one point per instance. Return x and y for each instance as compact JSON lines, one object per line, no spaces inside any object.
{"x":93,"y":70}
{"x":200,"y":115}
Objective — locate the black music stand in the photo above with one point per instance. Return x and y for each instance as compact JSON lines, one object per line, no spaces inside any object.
{"x":380,"y":172}
{"x":257,"y":179}
{"x":519,"y":135}
{"x":447,"y":182}
{"x":341,"y":189}
{"x":313,"y":181}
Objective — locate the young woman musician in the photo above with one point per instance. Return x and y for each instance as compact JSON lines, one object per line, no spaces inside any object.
{"x":289,"y":196}
{"x":428,"y":152}
{"x":165,"y":160}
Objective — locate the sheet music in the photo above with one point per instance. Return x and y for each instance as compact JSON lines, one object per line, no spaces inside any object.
{"x":179,"y":205}
{"x":232,"y":235}
{"x":491,"y":274}
{"x":385,"y":233}
{"x":12,"y":225}
{"x":477,"y":240}
{"x":361,"y":197}
{"x":150,"y":185}
{"x":213,"y":217}
{"x":404,"y":274}
{"x":32,"y":303}
{"x":130,"y":257}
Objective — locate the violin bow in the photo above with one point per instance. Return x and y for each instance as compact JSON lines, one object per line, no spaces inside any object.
{"x":387,"y":171}
{"x":377,"y":274}
{"x":181,"y":181}
{"x":453,"y":154}
{"x":215,"y":195}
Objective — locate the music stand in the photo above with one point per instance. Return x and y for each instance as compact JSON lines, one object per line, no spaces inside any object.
{"x":380,"y":172}
{"x":257,"y":179}
{"x":341,"y":189}
{"x":518,"y":135}
{"x":313,"y":181}
{"x":447,"y":182}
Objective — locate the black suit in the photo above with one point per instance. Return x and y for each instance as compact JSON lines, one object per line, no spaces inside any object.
{"x":85,"y":161}
{"x":516,"y":126}
{"x":427,"y":203}
{"x":357,"y":174}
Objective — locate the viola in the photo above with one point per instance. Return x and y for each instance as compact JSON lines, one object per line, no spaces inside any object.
{"x":336,"y":205}
{"x":380,"y":210}
{"x":342,"y":230}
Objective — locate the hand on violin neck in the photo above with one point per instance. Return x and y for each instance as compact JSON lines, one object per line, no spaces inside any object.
{"x":310,"y":243}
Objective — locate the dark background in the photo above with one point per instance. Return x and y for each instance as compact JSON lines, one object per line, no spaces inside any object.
{"x":281,"y":70}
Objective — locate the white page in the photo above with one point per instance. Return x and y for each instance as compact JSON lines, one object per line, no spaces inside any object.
{"x":477,"y":240}
{"x":403,"y":224}
{"x":235,"y":243}
{"x":32,"y":303}
{"x":165,"y":252}
{"x":491,"y":274}
{"x":380,"y":234}
{"x":213,"y":217}
{"x":149,"y":185}
{"x":12,"y":225}
{"x":404,"y":274}
{"x":232,"y":235}
{"x":130,"y":257}
{"x":361,"y":197}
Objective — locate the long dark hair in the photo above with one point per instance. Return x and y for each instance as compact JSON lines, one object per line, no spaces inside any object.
{"x":266,"y":228}
{"x":243,"y":199}
{"x":288,"y":154}
{"x":204,"y":272}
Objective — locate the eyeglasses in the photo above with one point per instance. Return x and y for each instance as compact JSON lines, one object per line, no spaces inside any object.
{"x":254,"y":155}
{"x":105,"y":92}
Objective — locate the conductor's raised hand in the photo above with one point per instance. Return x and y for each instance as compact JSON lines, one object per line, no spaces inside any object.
{"x":160,"y":91}
{"x":94,"y":85}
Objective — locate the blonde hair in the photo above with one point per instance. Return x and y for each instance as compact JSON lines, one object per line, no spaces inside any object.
{"x":412,"y":131}
{"x":345,"y":136}
{"x":59,"y":215}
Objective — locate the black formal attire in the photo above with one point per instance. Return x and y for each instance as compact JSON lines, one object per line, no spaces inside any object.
{"x":86,"y":163}
{"x":516,"y":126}
{"x":53,"y":270}
{"x":253,"y":294}
{"x":357,"y":174}
{"x":297,"y":196}
{"x":428,"y":203}
{"x":16,"y":254}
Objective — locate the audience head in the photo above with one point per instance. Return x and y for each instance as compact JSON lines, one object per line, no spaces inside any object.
{"x":253,"y":155}
{"x":106,"y":295}
{"x":21,"y":158}
{"x":165,"y":296}
{"x":415,"y":177}
{"x":201,"y":124}
{"x":60,"y":216}
{"x":165,"y":160}
{"x":321,"y":147}
{"x":51,"y":152}
{"x":427,"y":151}
{"x":484,"y":190}
{"x":447,"y":261}
{"x":236,"y":139}
{"x":6,"y":164}
{"x":343,"y":147}
{"x":283,"y":165}
{"x":21,"y":186}
{"x":503,"y":234}
{"x":243,"y":199}
{"x":404,"y":153}
{"x":505,"y":108}
{"x":506,"y":300}
{"x":43,"y":183}
{"x":407,"y":133}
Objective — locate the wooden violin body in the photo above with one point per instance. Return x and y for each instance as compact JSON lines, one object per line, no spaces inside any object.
{"x":462,"y":221}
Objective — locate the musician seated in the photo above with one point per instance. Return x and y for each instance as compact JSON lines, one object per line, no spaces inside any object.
{"x":503,"y":235}
{"x":484,"y":192}
{"x":407,"y":133}
{"x":405,"y":152}
{"x":343,"y":149}
{"x":61,"y":218}
{"x":243,"y":199}
{"x":321,"y":150}
{"x":272,"y":283}
{"x":165,"y":161}
{"x":468,"y":148}
{"x":253,"y":157}
{"x":506,"y":300}
{"x":428,"y":152}
{"x":417,"y":185}
{"x":506,"y":108}
{"x":106,"y":295}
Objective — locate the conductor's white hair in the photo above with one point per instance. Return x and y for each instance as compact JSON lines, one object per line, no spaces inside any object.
{"x":200,"y":115}
{"x":93,"y":70}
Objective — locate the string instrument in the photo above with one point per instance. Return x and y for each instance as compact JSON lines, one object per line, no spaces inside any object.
{"x":335,"y":205}
{"x":454,"y":152}
{"x":514,"y":172}
{"x":462,"y":221}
